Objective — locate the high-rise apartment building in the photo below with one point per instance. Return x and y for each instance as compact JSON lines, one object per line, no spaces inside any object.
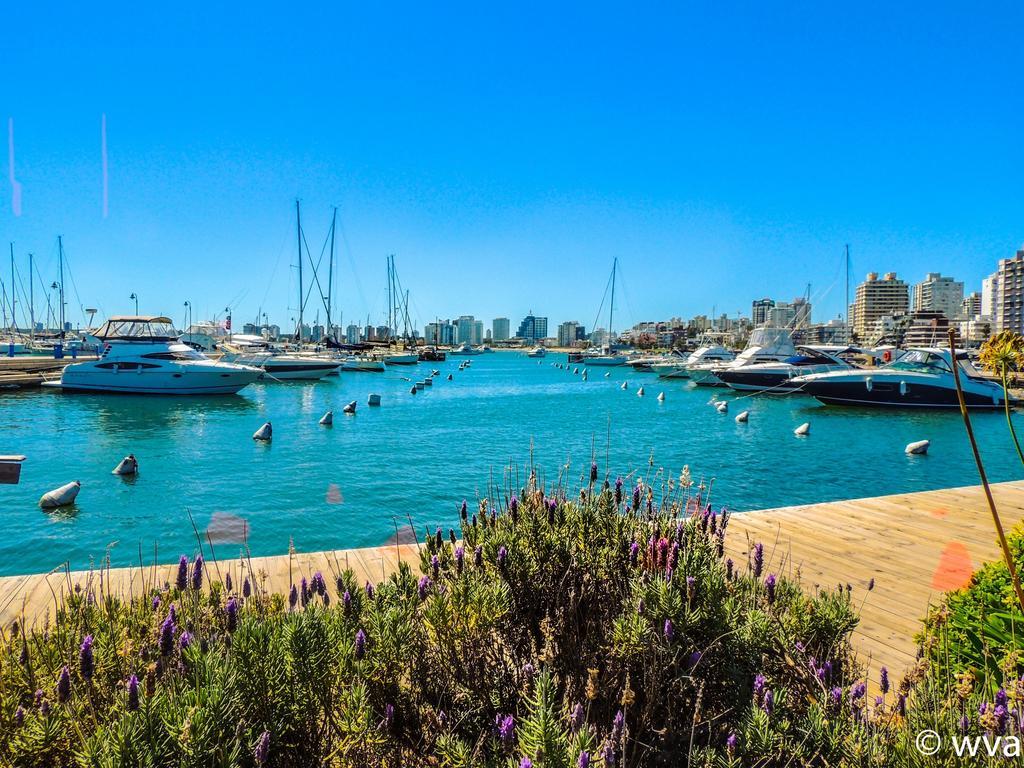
{"x":500,"y":329}
{"x":970,"y":307}
{"x":568,"y":333}
{"x":938,"y":294}
{"x":1009,"y":304}
{"x":533,"y":328}
{"x":759,"y":310}
{"x":876,"y":299}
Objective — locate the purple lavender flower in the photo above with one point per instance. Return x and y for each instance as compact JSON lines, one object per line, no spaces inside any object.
{"x":576,"y":718}
{"x":389,"y":715}
{"x":246,"y":588}
{"x":172,"y":613}
{"x":182,"y":580}
{"x":185,"y":640}
{"x":502,"y":555}
{"x":346,"y":602}
{"x":640,"y":606}
{"x":228,"y":583}
{"x":883,"y":681}
{"x":64,"y":685}
{"x":435,"y":565}
{"x":691,"y":588}
{"x":768,"y":705}
{"x":758,"y":559}
{"x":319,"y":584}
{"x":662,"y":551}
{"x":636,"y":497}
{"x":304,"y":592}
{"x":424,"y":587}
{"x":262,"y":750}
{"x":857,"y":691}
{"x":464,"y":511}
{"x":85,"y":658}
{"x":593,"y":472}
{"x":478,"y":556}
{"x":506,"y":730}
{"x":673,"y":556}
{"x":728,"y":569}
{"x":44,"y":708}
{"x":167,"y":636}
{"x":618,"y":724}
{"x":760,"y":681}
{"x":836,"y":694}
{"x":460,"y":556}
{"x":669,"y":630}
{"x":513,"y":507}
{"x":19,"y":716}
{"x":133,"y":693}
{"x":231,"y":612}
{"x":156,"y":602}
{"x":197,"y":573}
{"x":38,"y":698}
{"x":369,"y":591}
{"x":769,"y":585}
{"x":584,"y":760}
{"x":871,"y":584}
{"x":293,"y":597}
{"x":731,"y":743}
{"x":526,"y":763}
{"x":618,"y":491}
{"x":360,"y":644}
{"x":1002,"y":715}
{"x":634,"y":553}
{"x":1001,"y":697}
{"x":608,"y":753}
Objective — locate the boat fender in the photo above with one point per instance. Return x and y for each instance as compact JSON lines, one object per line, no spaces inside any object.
{"x":327,"y":419}
{"x":265,"y":433}
{"x":350,"y":408}
{"x":723,"y":407}
{"x":869,"y":384}
{"x":918,"y":447}
{"x":60,"y":497}
{"x":128,"y":466}
{"x":373,"y":400}
{"x":803,"y":430}
{"x":741,"y":418}
{"x":903,"y":388}
{"x":640,"y":391}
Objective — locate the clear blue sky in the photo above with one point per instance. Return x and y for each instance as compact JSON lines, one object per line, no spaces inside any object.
{"x":507,"y":152}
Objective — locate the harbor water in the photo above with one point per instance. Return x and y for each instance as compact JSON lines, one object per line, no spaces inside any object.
{"x":416,"y":457}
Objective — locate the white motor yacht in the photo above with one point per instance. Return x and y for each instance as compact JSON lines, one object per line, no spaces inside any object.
{"x":537,"y":352}
{"x":402,"y":358}
{"x":780,"y":377}
{"x":466,"y":349}
{"x":143,"y":355}
{"x":765,"y":345}
{"x":279,"y":365}
{"x":362,"y":364}
{"x":920,"y":378}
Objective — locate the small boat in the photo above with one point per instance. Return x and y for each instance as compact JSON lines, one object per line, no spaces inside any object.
{"x":280,"y":366}
{"x":537,"y":352}
{"x":920,"y":378}
{"x":432,"y":354}
{"x":410,"y":358}
{"x":466,"y":349}
{"x":360,"y":364}
{"x":765,"y":345}
{"x":143,"y":355}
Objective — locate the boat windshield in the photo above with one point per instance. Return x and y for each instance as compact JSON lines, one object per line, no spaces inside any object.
{"x":137,"y":329}
{"x":920,"y":361}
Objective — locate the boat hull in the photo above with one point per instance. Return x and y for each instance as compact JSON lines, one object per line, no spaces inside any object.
{"x":889,"y":394}
{"x":300,"y":371}
{"x":156,"y":383}
{"x":402,"y":360}
{"x":776,"y":383}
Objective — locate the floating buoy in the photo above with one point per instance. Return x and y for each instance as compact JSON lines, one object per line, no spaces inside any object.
{"x":419,"y":385}
{"x":640,"y":392}
{"x":413,"y":390}
{"x":435,"y":372}
{"x":584,"y":376}
{"x":373,"y":400}
{"x":722,"y":407}
{"x":327,"y":419}
{"x":428,"y":381}
{"x":803,"y":429}
{"x":918,"y":447}
{"x":717,"y":403}
{"x":60,"y":497}
{"x":128,"y":466}
{"x":449,"y":377}
{"x":575,"y":370}
{"x":625,"y":385}
{"x":350,"y":408}
{"x":741,"y":418}
{"x":266,"y":432}
{"x":661,"y":397}
{"x":607,"y":374}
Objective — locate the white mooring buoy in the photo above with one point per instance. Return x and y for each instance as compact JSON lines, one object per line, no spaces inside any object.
{"x":413,"y":390}
{"x":575,"y":370}
{"x":327,"y":419}
{"x":803,"y":429}
{"x":129,"y":466}
{"x":722,"y":407}
{"x":584,"y":376}
{"x":373,"y":399}
{"x":661,"y":397}
{"x":640,"y":391}
{"x":60,"y":497}
{"x":625,"y":385}
{"x":741,"y":418}
{"x":350,"y":408}
{"x":918,"y":447}
{"x":607,"y":374}
{"x":266,"y":432}
{"x":449,"y":377}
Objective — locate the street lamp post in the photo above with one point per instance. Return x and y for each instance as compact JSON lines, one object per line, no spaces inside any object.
{"x":135,"y":298}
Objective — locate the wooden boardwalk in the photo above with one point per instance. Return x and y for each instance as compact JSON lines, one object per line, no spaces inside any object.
{"x":914,"y":546}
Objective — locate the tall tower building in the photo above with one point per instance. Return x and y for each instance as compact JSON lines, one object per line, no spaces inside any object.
{"x":938,"y":294}
{"x":877,"y":298}
{"x":1009,"y":304}
{"x":499,"y":329}
{"x":759,"y":310}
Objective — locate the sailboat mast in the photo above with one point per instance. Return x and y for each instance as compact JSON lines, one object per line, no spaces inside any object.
{"x":14,"y":322}
{"x":611,"y":305}
{"x":31,"y":302}
{"x":330,"y":275}
{"x":298,"y":239}
{"x":846,"y":309}
{"x":60,"y":262}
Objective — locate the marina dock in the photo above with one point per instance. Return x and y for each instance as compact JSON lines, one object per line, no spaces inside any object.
{"x":24,"y":371}
{"x":914,"y":546}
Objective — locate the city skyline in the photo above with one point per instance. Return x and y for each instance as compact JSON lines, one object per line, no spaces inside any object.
{"x":720,"y":155}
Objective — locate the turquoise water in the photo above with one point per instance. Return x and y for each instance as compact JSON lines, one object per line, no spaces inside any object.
{"x":418,"y":456}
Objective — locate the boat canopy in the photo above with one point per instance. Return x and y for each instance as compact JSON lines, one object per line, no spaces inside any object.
{"x":137,"y":328}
